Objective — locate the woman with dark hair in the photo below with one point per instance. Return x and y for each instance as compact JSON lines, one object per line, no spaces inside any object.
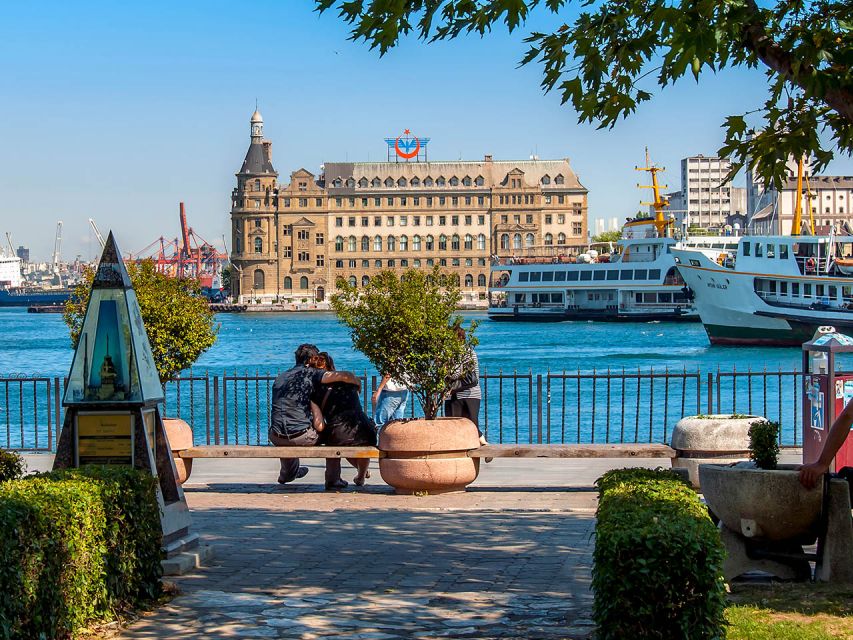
{"x":346,"y":424}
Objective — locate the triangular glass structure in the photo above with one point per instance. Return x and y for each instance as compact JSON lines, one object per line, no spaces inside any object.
{"x":113,"y":363}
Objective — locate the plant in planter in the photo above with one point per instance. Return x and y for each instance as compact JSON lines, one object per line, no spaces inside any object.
{"x":764,"y":444}
{"x":180,"y":328}
{"x":406,"y":326}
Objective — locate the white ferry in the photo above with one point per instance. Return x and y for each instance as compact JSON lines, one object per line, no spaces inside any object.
{"x":637,"y":280}
{"x":771,"y":290}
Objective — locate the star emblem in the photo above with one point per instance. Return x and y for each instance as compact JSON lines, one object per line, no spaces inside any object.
{"x":407,"y":132}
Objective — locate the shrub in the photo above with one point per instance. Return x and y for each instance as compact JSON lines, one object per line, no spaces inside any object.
{"x":12,"y":465}
{"x":74,"y":545}
{"x":657,"y":561}
{"x":764,"y":444}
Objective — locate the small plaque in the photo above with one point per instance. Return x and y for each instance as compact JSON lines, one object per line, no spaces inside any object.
{"x":105,"y":438}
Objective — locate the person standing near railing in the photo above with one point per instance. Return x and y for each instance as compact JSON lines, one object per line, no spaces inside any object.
{"x":465,"y":396}
{"x":389,"y":401}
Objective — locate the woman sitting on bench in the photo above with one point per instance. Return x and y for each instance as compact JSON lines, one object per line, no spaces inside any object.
{"x":346,"y":423}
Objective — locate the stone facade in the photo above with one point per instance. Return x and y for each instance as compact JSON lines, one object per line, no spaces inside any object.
{"x":293,"y":242}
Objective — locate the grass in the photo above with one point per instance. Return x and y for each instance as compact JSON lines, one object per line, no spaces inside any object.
{"x":790,"y":612}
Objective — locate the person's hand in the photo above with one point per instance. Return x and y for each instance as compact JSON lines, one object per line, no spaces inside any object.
{"x":810,"y":474}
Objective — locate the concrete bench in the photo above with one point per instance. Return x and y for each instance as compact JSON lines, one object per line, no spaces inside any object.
{"x":266,"y":451}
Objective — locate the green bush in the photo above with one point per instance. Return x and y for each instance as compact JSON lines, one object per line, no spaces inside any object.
{"x":764,"y":444}
{"x":657,"y":561}
{"x":12,"y":465}
{"x":73,"y":546}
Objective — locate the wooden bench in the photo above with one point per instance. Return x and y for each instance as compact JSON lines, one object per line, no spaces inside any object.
{"x":487,"y":451}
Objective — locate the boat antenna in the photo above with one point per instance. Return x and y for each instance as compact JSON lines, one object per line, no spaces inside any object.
{"x":659,"y":203}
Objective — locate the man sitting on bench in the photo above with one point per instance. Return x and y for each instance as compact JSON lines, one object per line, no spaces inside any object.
{"x":292,"y":423}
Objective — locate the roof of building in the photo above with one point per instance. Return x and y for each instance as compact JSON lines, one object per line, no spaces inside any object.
{"x":258,"y":160}
{"x":492,"y":172}
{"x":257,"y":117}
{"x":822,"y":182}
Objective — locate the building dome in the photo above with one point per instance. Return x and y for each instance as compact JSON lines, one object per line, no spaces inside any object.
{"x":256,"y":117}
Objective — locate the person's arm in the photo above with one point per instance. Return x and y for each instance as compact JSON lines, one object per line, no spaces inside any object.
{"x":838,"y":432}
{"x":317,"y":418}
{"x":341,"y":376}
{"x":381,"y":386}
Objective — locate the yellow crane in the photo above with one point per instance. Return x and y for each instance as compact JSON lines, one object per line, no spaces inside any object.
{"x":659,"y":203}
{"x":797,"y":223}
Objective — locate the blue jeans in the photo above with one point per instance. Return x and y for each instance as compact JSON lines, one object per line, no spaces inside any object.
{"x":391,"y":405}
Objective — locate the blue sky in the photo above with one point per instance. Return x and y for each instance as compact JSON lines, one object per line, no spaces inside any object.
{"x":119,"y":111}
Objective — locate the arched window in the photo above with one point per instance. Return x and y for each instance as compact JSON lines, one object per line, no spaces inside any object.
{"x":365,"y":243}
{"x":339,"y":243}
{"x":430,"y":243}
{"x":440,"y":181}
{"x":481,"y":242}
{"x":404,"y":243}
{"x":391,"y":243}
{"x":466,"y":181}
{"x":469,"y":280}
{"x":479,"y":181}
{"x":350,"y":184}
{"x":258,"y":279}
{"x":442,"y":242}
{"x":303,"y":283}
{"x":288,"y":282}
{"x":351,"y":243}
{"x":257,"y":185}
{"x":416,"y":243}
{"x":505,"y":241}
{"x":337,"y":182}
{"x":401,"y":182}
{"x":481,"y":280}
{"x":469,"y":242}
{"x":389,"y":182}
{"x":352,"y":281}
{"x":377,"y":243}
{"x":529,"y":240}
{"x":455,"y":278}
{"x":428,"y":181}
{"x":549,"y":239}
{"x":516,"y":241}
{"x":561,"y":238}
{"x":454,"y":242}
{"x":362,"y":183}
{"x":559,"y":179}
{"x":376,"y":182}
{"x":259,"y":245}
{"x":365,"y":280}
{"x":546,"y":179}
{"x":416,"y":182}
{"x":454,"y":181}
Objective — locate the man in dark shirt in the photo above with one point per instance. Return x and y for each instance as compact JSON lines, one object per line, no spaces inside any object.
{"x":292,"y":423}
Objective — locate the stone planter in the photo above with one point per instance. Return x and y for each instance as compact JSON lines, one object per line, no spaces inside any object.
{"x":429,"y":455}
{"x":710,"y":439}
{"x":180,"y":436}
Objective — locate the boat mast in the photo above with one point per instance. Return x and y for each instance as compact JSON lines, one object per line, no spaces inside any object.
{"x":797,"y":223}
{"x":659,"y":203}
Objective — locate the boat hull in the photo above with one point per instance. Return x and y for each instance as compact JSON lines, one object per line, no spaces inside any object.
{"x":600,"y":316}
{"x":33,"y":298}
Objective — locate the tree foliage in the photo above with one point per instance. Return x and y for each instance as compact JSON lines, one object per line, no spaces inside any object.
{"x":608,"y":236}
{"x":405,"y":325}
{"x":606,"y":57}
{"x":177,"y":318}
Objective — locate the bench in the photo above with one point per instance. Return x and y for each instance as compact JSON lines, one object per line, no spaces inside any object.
{"x":486,"y":451}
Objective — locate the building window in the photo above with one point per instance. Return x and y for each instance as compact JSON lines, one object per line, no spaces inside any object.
{"x":505,"y":241}
{"x":318,"y":202}
{"x":481,"y":220}
{"x":303,"y":256}
{"x":320,"y":238}
{"x":454,"y":242}
{"x":390,"y":202}
{"x":303,"y":283}
{"x":389,"y":221}
{"x":285,"y":231}
{"x":529,"y":240}
{"x":403,"y":201}
{"x":430,"y":243}
{"x":529,"y":218}
{"x":288,"y":282}
{"x":321,"y":260}
{"x":390,"y":263}
{"x":429,"y":221}
{"x":416,"y":243}
{"x":351,"y":221}
{"x":391,"y":243}
{"x":303,"y":234}
{"x":468,"y":220}
{"x":339,"y":222}
{"x":258,"y":279}
{"x":365,"y":243}
{"x":404,"y":243}
{"x":365,"y":280}
{"x":516,"y":241}
{"x":339,"y":264}
{"x":287,"y":252}
{"x":577,"y":228}
{"x":339,"y":243}
{"x":351,"y":243}
{"x":561,"y":199}
{"x":259,"y":245}
{"x":429,"y":201}
{"x":442,"y":242}
{"x":442,"y":220}
{"x":339,"y":202}
{"x":548,"y":219}
{"x":258,"y":204}
{"x":416,"y":263}
{"x":454,"y":201}
{"x":303,"y":202}
{"x":377,"y":221}
{"x":377,"y":202}
{"x":454,"y":220}
{"x":404,"y":262}
{"x":481,"y":242}
{"x":416,"y":221}
{"x":549,"y":239}
{"x":469,"y":280}
{"x":561,"y":238}
{"x":469,"y":242}
{"x":481,"y":280}
{"x":377,"y":243}
{"x":416,"y":201}
{"x":287,"y":202}
{"x":404,"y":221}
{"x":365,"y":221}
{"x":441,"y":201}
{"x":352,"y":281}
{"x":561,"y":218}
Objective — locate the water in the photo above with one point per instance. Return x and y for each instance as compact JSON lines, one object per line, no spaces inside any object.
{"x":575,"y":409}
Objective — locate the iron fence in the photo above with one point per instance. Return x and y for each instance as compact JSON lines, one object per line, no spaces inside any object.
{"x":567,"y":407}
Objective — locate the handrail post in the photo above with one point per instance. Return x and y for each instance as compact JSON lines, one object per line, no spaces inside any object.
{"x":710,"y":393}
{"x":539,"y":408}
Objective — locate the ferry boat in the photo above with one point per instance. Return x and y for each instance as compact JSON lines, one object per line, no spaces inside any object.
{"x":636,"y":280}
{"x":28,"y":297}
{"x":772,"y":290}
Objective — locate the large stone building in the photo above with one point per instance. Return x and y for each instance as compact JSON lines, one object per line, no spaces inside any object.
{"x":293,"y":242}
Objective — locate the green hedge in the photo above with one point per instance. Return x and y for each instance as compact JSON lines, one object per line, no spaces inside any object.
{"x":75,"y":545}
{"x":12,"y":465}
{"x":657,"y":562}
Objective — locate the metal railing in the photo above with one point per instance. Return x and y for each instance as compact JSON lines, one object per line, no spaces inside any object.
{"x":567,"y":407}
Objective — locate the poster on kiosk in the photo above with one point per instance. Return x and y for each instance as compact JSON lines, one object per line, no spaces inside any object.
{"x":825,"y":393}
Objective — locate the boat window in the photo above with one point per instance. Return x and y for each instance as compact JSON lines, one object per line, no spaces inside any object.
{"x":572,"y":275}
{"x":520,"y":298}
{"x":586,"y":275}
{"x":679,"y":297}
{"x":771,"y":250}
{"x":523,"y":276}
{"x":559,"y":276}
{"x":847,"y":292}
{"x":612,"y":274}
{"x":783,"y":288}
{"x":746,"y":248}
{"x":654,"y":274}
{"x":759,"y":250}
{"x":807,"y":290}
{"x":665,"y":297}
{"x":627,"y":274}
{"x":650,"y":297}
{"x":818,"y":291}
{"x":833,"y":292}
{"x":535,"y":276}
{"x":599,"y":275}
{"x":638,"y":297}
{"x":640,"y":274}
{"x":783,"y":251}
{"x":795,"y":288}
{"x":557,"y":297}
{"x":771,"y":286}
{"x":695,"y":263}
{"x":547,"y":276}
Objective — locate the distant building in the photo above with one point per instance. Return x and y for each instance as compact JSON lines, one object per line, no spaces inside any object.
{"x":23,"y":253}
{"x":293,"y":242}
{"x":704,"y":199}
{"x":825,"y":199}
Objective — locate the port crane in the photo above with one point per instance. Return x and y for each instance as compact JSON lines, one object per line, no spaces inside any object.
{"x":9,"y":241}
{"x":57,"y":246}
{"x":97,"y":232}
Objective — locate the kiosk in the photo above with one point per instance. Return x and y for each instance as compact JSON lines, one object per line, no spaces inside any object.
{"x":112,"y":397}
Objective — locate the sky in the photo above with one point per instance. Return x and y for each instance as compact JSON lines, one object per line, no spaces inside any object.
{"x":119,"y":111}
